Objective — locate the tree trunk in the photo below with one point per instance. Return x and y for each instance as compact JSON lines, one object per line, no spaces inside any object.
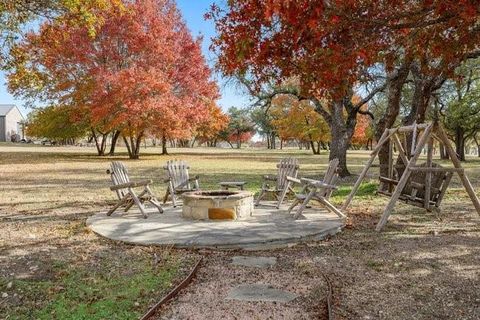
{"x":338,"y":150}
{"x":395,"y":83}
{"x":369,"y":144}
{"x":164,"y":145}
{"x":342,"y":131}
{"x":460,"y":143}
{"x":443,"y":152}
{"x":477,"y":142}
{"x":100,"y":141}
{"x":133,"y":145}
{"x":115,"y":136}
{"x":136,"y":149}
{"x":312,"y":146}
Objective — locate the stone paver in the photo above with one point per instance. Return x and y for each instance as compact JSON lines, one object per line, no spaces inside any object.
{"x":266,"y":228}
{"x":258,"y":262}
{"x":259,"y":292}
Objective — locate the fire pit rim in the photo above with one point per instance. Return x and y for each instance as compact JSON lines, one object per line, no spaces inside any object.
{"x":217,"y":194}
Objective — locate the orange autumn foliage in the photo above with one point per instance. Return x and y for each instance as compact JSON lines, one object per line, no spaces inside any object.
{"x":296,"y":120}
{"x":142,"y":72}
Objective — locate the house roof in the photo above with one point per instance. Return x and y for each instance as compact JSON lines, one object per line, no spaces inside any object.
{"x":5,"y":108}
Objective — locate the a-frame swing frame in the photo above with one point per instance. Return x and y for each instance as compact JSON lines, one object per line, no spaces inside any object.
{"x":427,"y":132}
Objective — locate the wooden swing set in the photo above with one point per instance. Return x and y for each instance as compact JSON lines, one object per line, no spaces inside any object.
{"x":422,"y":185}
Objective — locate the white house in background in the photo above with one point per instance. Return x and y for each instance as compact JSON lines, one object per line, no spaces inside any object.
{"x":11,"y":120}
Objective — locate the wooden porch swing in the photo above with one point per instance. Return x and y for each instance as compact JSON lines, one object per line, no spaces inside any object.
{"x":423,"y":185}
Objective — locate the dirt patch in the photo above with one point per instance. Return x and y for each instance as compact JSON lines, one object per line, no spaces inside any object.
{"x":425,"y":269}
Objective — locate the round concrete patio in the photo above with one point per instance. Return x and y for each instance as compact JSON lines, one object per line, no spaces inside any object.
{"x":267,"y":228}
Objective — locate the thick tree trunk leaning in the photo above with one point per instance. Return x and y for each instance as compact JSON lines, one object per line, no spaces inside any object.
{"x":342,"y":129}
{"x":341,"y":136}
{"x":395,"y":82}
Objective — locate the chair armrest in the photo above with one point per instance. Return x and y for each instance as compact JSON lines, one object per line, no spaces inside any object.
{"x":142,"y":183}
{"x":307,"y":180}
{"x":194,"y":178}
{"x":318,"y":184}
{"x":167,"y":179}
{"x":270,"y":178}
{"x":294,"y":180}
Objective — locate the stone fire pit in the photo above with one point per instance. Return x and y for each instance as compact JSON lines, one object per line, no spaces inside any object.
{"x":217,"y":205}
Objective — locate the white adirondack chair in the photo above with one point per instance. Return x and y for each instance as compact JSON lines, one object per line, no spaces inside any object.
{"x":178,"y":180}
{"x":319,"y":190}
{"x":282,"y":186}
{"x":124,"y":188}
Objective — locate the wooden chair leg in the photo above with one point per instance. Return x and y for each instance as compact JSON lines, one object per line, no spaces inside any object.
{"x":304,"y":204}
{"x":156,"y":204}
{"x":293,"y":205}
{"x":129,"y":205}
{"x":118,"y":205}
{"x":174,"y":198}
{"x":165,"y":198}
{"x":331,"y":207}
{"x":137,"y":201}
{"x":282,"y":195}
{"x":260,"y":196}
{"x":153,"y":200}
{"x":170,"y":192}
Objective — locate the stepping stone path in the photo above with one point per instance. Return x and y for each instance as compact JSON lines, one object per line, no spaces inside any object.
{"x":258,"y":262}
{"x":259,"y":292}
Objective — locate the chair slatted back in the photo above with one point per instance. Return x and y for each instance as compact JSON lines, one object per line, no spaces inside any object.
{"x":177,"y":171}
{"x":286,"y":167}
{"x":331,"y":177}
{"x":438,"y":178}
{"x":119,"y":175}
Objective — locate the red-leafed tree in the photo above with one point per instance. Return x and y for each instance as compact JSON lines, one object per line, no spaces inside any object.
{"x":330,"y":47}
{"x":141,"y":72}
{"x":362,"y":135}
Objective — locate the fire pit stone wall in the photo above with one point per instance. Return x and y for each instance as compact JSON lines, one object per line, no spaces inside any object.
{"x":217,"y":205}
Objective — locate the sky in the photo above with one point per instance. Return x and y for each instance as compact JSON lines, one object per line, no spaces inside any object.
{"x":192,"y":11}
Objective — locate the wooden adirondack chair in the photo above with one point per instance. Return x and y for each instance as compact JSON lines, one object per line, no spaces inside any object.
{"x":124,"y":188}
{"x":319,"y":190}
{"x":178,"y":180}
{"x":286,"y":167}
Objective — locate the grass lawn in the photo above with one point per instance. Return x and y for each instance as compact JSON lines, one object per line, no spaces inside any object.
{"x":424,"y":265}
